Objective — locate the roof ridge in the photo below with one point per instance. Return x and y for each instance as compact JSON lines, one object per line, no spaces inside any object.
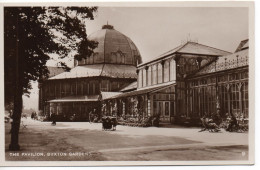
{"x":210,"y":47}
{"x":161,"y":55}
{"x":182,"y":47}
{"x":171,"y":50}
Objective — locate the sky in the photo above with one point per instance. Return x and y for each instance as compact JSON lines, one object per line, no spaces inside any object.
{"x":155,"y":30}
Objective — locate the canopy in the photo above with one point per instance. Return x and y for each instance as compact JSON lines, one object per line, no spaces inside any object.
{"x":88,"y":98}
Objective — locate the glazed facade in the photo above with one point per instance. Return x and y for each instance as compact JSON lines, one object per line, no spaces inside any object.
{"x":186,"y":85}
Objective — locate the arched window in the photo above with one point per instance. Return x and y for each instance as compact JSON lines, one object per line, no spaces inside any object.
{"x":118,"y":58}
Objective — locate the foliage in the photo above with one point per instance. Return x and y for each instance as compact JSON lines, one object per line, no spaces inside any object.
{"x":32,"y":33}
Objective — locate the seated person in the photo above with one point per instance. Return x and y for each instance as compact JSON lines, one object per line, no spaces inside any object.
{"x":232,"y":123}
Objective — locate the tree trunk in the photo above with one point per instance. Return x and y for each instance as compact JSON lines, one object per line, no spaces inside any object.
{"x":18,"y":102}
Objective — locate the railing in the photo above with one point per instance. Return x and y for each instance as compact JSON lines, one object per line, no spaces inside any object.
{"x":219,"y":66}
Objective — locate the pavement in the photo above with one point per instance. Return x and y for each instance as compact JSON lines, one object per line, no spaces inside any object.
{"x":126,"y":143}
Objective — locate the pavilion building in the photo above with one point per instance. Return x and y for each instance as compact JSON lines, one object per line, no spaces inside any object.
{"x":111,"y":68}
{"x":186,"y":83}
{"x":181,"y":85}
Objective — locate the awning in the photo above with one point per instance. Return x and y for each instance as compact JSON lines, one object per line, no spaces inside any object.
{"x":88,"y":98}
{"x":106,"y":95}
{"x":144,"y":90}
{"x":95,"y":70}
{"x":130,"y":87}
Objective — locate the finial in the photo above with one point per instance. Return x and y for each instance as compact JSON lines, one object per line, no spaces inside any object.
{"x":107,"y":26}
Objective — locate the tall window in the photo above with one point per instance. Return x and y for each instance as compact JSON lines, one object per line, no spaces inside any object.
{"x":166,"y":71}
{"x":234,"y":99}
{"x":149,"y":76}
{"x":154,"y":108}
{"x":73,"y":88}
{"x":203,"y":108}
{"x":96,"y":87}
{"x":118,"y":58}
{"x":67,"y":88}
{"x":58,"y":89}
{"x":196,"y":101}
{"x":212,"y":99}
{"x":167,"y":113}
{"x":244,"y":94}
{"x":159,"y":73}
{"x":114,"y":86}
{"x":154,"y":69}
{"x":223,"y":100}
{"x":172,"y":112}
{"x":79,"y":88}
{"x":91,"y":84}
{"x":144,"y":77}
{"x":172,"y":70}
{"x":104,"y":85}
{"x":140,"y":80}
{"x":62,"y":90}
{"x":85,"y":88}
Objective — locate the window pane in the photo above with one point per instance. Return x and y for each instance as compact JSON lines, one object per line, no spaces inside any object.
{"x":154,"y":68}
{"x":159,"y":73}
{"x":172,"y":70}
{"x":140,"y":79}
{"x":166,"y":71}
{"x":149,"y":76}
{"x":144,"y":77}
{"x":167,"y":109}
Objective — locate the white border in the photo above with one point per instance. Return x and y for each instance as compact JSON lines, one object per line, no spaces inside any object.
{"x":117,"y":163}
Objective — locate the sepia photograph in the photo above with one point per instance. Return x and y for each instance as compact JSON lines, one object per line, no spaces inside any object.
{"x":128,"y":84}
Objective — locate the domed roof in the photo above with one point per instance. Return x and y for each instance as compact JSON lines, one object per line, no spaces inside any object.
{"x":113,"y":48}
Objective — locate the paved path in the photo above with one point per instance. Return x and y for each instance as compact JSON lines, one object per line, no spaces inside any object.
{"x":130,"y":143}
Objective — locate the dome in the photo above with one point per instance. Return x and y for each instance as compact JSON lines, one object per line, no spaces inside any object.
{"x":113,"y":48}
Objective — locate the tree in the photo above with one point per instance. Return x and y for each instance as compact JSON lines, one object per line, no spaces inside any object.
{"x":31,"y":34}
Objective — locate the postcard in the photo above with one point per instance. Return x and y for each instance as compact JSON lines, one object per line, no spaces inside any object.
{"x":127,"y":83}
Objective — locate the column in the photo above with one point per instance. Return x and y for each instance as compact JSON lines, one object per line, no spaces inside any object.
{"x":228,"y":95}
{"x":157,"y":73}
{"x":148,"y":105}
{"x":138,"y":79}
{"x":240,"y":98}
{"x":123,"y":102}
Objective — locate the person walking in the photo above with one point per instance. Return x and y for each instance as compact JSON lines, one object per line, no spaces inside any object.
{"x":53,"y":118}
